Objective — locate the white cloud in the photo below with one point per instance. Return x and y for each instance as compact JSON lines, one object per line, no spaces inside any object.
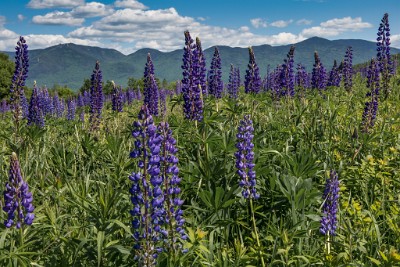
{"x":39,"y":4}
{"x":336,"y":26}
{"x":201,"y":18}
{"x":163,"y":29}
{"x":21,"y":17}
{"x":58,"y":18}
{"x":281,"y":23}
{"x":303,"y":22}
{"x":92,"y":9}
{"x":2,"y":21}
{"x":258,"y":23}
{"x":132,"y":4}
{"x":395,"y":40}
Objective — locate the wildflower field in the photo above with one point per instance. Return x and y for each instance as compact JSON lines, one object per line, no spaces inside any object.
{"x":296,"y":169}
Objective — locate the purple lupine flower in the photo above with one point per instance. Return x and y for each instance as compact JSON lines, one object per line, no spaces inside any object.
{"x":19,"y":77}
{"x":80,"y":103}
{"x":86,"y":98}
{"x":301,"y":76}
{"x":318,"y":79}
{"x":130,"y":96}
{"x":4,"y":107}
{"x":17,"y":198}
{"x":334,"y":76}
{"x":383,"y":55}
{"x":215,"y":77}
{"x":163,"y":102}
{"x":117,"y":98}
{"x":96,"y":97}
{"x":276,"y":89}
{"x":71,"y":108}
{"x":138,"y":93}
{"x":24,"y":104}
{"x":245,"y":158}
{"x":287,"y":74}
{"x":45,"y":102}
{"x":58,"y":106}
{"x":146,"y":195}
{"x":191,"y":87}
{"x":252,"y":82}
{"x":238,"y":80}
{"x":36,"y":115}
{"x":150,"y":87}
{"x":170,"y":174}
{"x":202,"y":67}
{"x":330,"y":206}
{"x":178,"y":88}
{"x":233,"y":87}
{"x":371,"y":106}
{"x":348,"y":69}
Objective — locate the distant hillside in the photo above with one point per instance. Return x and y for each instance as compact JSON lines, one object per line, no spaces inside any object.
{"x":70,"y":64}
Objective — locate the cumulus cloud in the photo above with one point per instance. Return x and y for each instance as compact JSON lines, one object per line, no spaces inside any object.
{"x":58,"y":18}
{"x":39,"y":4}
{"x":132,"y":4}
{"x":163,"y":29}
{"x":20,"y":17}
{"x":281,"y":23}
{"x":258,"y":23}
{"x":92,"y":9}
{"x":395,"y":40}
{"x":336,"y":26}
{"x":303,"y":22}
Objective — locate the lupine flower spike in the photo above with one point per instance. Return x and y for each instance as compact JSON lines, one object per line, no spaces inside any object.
{"x":252,"y":82}
{"x":215,"y":76}
{"x":19,"y":78}
{"x":191,"y":82}
{"x":371,"y":106}
{"x":383,"y":56}
{"x":35,"y":115}
{"x":245,"y":157}
{"x":96,"y":98}
{"x":330,"y":207}
{"x":17,"y":197}
{"x":318,"y":79}
{"x":348,"y":69}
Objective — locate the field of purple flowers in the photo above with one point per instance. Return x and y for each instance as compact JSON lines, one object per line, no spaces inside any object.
{"x":294,"y":169}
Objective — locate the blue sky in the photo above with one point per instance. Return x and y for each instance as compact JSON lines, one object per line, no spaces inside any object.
{"x":129,"y":25}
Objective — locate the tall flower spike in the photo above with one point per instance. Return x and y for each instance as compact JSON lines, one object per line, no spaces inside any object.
{"x":191,"y":86}
{"x":233,"y":86}
{"x":202,"y":67}
{"x":17,"y":197}
{"x":348,"y":69}
{"x":334,"y":76}
{"x":36,"y":115}
{"x":215,"y":77}
{"x":19,"y":78}
{"x":330,"y":206}
{"x":150,"y":87}
{"x":170,"y":173}
{"x":71,"y":110}
{"x":371,"y":106}
{"x":146,"y":194}
{"x":96,"y":97}
{"x":245,"y":158}
{"x":318,"y":79}
{"x":252,"y":82}
{"x":117,"y":101}
{"x":287,"y":74}
{"x":383,"y":55}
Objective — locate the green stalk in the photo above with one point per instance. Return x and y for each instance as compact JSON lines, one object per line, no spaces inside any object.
{"x":255,"y":231}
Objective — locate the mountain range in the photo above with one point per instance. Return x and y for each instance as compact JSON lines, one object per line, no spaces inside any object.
{"x":69,"y":64}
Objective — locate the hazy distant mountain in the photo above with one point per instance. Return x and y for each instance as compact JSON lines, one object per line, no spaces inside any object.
{"x":70,"y":64}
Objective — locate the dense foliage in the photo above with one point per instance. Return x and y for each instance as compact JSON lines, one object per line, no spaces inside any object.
{"x":307,"y":178}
